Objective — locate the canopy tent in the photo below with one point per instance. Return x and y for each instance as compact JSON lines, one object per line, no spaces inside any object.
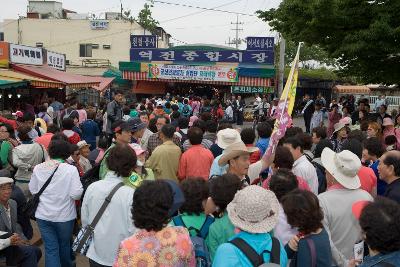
{"x":68,"y":79}
{"x":6,"y":84}
{"x":105,"y":83}
{"x":14,"y":76}
{"x":351,"y":89}
{"x":243,"y":81}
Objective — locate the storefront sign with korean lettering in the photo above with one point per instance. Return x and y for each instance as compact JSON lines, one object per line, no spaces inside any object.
{"x":143,"y":41}
{"x":251,"y":90}
{"x":99,"y":24}
{"x":192,"y":56}
{"x":260,"y":43}
{"x":26,"y":55}
{"x":56,"y":60}
{"x":198,"y":73}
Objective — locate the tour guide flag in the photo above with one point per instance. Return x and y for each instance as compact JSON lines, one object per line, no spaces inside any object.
{"x":285,"y":107}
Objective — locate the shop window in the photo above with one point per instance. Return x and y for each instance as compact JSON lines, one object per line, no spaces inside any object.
{"x":85,"y":50}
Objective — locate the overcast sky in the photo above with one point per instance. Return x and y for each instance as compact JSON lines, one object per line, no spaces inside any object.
{"x":206,"y":27}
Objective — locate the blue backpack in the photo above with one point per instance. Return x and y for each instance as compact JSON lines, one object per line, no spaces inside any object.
{"x":199,"y":245}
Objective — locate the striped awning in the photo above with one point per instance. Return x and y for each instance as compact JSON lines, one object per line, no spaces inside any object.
{"x":243,"y":81}
{"x":11,"y":75}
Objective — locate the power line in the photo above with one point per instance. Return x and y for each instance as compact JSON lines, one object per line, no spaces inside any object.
{"x":196,"y":13}
{"x":207,"y":9}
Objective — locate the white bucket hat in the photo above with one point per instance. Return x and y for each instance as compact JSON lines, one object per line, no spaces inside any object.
{"x":254,"y":210}
{"x":6,"y":180}
{"x":227,"y":137}
{"x":82,"y":144}
{"x":338,"y":126}
{"x":234,"y":150}
{"x":344,"y":166}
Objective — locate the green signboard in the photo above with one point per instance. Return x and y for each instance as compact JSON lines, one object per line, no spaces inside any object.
{"x":251,"y":90}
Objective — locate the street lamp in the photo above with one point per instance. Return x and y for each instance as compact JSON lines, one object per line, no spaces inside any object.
{"x":9,"y":95}
{"x":19,"y":95}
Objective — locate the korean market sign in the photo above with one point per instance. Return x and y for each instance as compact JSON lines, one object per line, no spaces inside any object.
{"x":193,"y":56}
{"x":143,"y":41}
{"x":26,"y":55}
{"x":99,"y":24}
{"x":251,"y":90}
{"x":198,"y":73}
{"x":56,"y":60}
{"x":4,"y":55}
{"x":260,"y":43}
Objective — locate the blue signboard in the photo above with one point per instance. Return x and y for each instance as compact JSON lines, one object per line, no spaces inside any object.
{"x":260,"y":43}
{"x":143,"y":41}
{"x":232,"y":56}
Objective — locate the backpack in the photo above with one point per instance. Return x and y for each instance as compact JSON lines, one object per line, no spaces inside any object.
{"x":184,"y":136}
{"x":186,"y":111}
{"x":322,"y":184}
{"x":199,"y":245}
{"x":255,"y":258}
{"x":68,"y":113}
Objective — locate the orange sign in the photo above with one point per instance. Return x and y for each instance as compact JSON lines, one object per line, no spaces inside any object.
{"x":4,"y":54}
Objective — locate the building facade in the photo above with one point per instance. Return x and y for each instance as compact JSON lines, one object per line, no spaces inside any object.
{"x":84,"y":41}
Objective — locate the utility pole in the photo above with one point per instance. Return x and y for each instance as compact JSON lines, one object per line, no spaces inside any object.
{"x":282,"y":45}
{"x":237,"y":41}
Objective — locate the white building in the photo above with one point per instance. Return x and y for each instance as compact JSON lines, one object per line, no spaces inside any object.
{"x":84,"y":41}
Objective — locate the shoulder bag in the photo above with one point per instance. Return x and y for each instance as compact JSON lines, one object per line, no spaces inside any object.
{"x":84,"y":238}
{"x":33,"y":203}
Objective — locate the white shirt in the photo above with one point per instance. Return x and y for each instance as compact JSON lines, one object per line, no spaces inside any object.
{"x":229,"y":112}
{"x":116,"y":222}
{"x":57,"y":203}
{"x":284,"y":231}
{"x":303,"y":167}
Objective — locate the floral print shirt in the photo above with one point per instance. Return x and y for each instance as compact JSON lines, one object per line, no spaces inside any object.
{"x":169,"y":247}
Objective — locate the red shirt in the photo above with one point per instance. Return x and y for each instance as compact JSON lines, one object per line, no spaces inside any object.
{"x":44,"y":140}
{"x":195,"y":162}
{"x":368,"y":179}
{"x":255,"y":156}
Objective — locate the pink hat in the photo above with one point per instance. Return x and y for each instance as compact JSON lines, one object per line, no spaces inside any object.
{"x":346,"y":120}
{"x":18,"y":113}
{"x":387,"y":122}
{"x":137,"y":148}
{"x":192,"y":120}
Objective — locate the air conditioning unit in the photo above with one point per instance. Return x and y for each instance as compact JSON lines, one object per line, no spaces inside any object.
{"x":106,"y":46}
{"x":39,"y":44}
{"x":95,"y":46}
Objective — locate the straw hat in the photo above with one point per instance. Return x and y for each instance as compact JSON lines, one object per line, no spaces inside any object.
{"x":344,"y":166}
{"x":235,"y":150}
{"x":227,"y":137}
{"x":254,"y":210}
{"x":82,"y":144}
{"x":387,"y":122}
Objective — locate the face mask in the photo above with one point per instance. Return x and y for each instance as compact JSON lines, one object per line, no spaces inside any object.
{"x":139,"y":163}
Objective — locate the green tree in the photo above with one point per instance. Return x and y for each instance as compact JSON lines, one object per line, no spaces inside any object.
{"x":145,"y":18}
{"x":363,"y":36}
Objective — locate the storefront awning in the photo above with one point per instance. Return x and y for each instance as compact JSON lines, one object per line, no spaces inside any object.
{"x":46,"y":72}
{"x":351,"y":89}
{"x":151,"y":88}
{"x":243,"y":81}
{"x":11,"y":75}
{"x":105,"y":83}
{"x":5,"y":84}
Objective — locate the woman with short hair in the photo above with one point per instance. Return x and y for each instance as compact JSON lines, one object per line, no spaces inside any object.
{"x":303,"y":211}
{"x":155,"y":243}
{"x":56,"y":212}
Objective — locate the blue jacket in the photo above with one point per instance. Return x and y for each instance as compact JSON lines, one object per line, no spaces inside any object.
{"x":262,"y":144}
{"x":393,"y":258}
{"x":229,"y":255}
{"x":90,"y":129}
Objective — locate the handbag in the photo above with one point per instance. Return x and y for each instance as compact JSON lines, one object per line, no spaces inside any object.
{"x":84,"y":238}
{"x":33,"y":203}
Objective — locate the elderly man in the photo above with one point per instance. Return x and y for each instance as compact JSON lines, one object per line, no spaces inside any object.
{"x":389,"y":171}
{"x":13,"y":244}
{"x":336,"y":203}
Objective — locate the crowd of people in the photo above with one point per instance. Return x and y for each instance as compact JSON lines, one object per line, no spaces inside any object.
{"x":173,"y":181}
